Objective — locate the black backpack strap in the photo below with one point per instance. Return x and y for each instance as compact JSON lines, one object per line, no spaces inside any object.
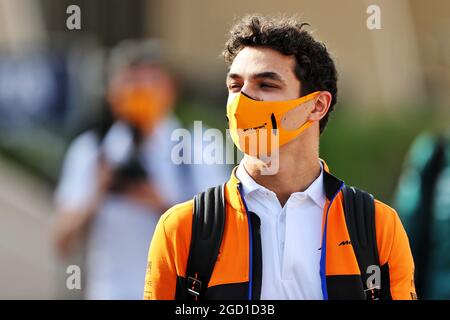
{"x":359,"y":208}
{"x":207,"y":231}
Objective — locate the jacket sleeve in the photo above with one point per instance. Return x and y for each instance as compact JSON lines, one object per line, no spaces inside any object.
{"x":400,"y":262}
{"x":168,"y":253}
{"x":161,"y":275}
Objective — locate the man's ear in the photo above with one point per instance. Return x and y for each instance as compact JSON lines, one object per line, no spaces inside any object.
{"x":321,"y":106}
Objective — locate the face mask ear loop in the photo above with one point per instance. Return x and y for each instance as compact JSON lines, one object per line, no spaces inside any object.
{"x":308,"y":122}
{"x":313,"y":102}
{"x":303,"y":105}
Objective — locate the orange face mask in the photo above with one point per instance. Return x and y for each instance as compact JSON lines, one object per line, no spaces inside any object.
{"x":141,"y":106}
{"x":260,"y":127}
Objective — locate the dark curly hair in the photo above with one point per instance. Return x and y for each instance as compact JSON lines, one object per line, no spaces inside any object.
{"x":314,"y":67}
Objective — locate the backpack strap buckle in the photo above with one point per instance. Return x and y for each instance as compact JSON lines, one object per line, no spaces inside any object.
{"x":194,"y":286}
{"x":372,"y":293}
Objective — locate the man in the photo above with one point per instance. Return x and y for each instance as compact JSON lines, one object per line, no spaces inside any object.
{"x":305,"y":247}
{"x":118,"y":179}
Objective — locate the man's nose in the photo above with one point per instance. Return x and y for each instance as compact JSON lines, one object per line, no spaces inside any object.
{"x":250,"y":93}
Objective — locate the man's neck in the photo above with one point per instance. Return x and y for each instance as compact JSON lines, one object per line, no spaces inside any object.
{"x":293,"y":175}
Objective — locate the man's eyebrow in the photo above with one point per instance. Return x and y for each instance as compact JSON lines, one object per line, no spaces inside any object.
{"x":261,"y":75}
{"x":233,"y":76}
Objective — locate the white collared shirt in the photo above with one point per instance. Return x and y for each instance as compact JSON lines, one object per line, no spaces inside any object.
{"x":290,"y":238}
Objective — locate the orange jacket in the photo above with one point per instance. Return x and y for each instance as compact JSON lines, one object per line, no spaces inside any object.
{"x":237,"y":275}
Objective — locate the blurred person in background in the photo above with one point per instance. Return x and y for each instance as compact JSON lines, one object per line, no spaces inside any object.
{"x":117,"y":179}
{"x":423,"y":202}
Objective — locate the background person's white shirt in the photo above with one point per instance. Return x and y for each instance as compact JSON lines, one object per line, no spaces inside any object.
{"x":121,"y":231}
{"x":290,"y":238}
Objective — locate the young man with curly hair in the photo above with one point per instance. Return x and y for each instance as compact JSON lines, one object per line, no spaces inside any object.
{"x":288,"y":234}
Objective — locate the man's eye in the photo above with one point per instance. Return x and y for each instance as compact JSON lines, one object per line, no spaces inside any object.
{"x":234,"y":86}
{"x":267,"y":85}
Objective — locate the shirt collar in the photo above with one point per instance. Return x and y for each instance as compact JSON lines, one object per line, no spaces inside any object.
{"x":248,"y":184}
{"x":315,"y":191}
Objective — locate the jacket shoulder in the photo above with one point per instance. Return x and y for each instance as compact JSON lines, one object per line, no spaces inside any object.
{"x":384,"y":210}
{"x":178,"y":217}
